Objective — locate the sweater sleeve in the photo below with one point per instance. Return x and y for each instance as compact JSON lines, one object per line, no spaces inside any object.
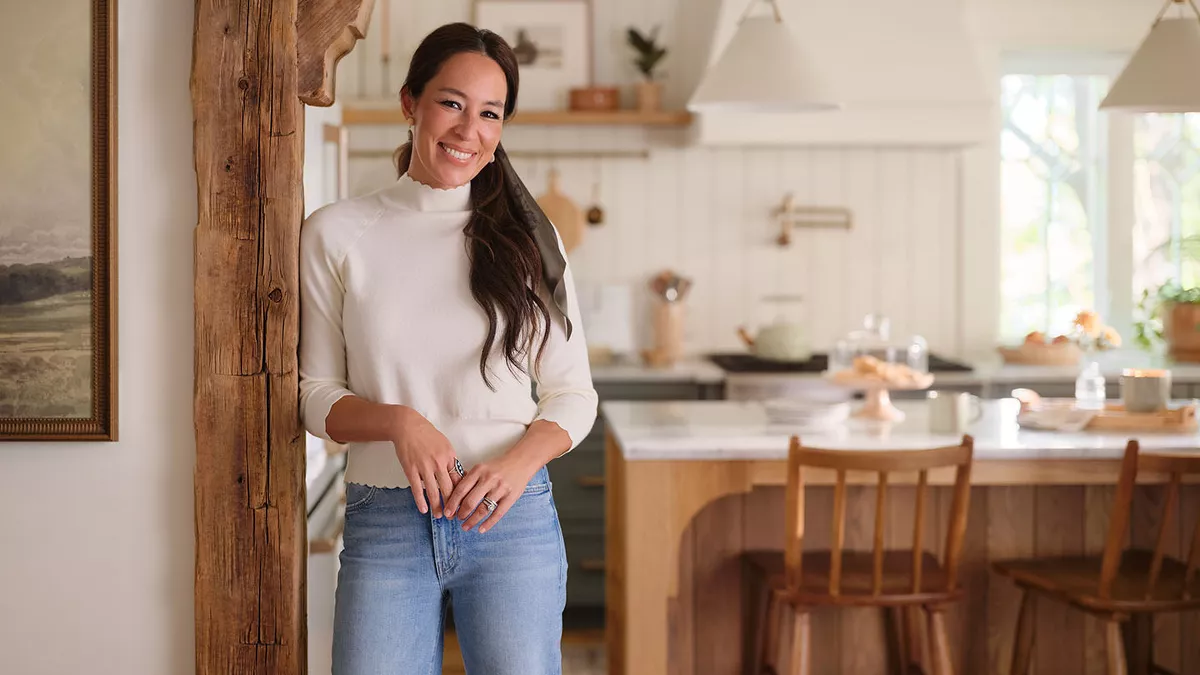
{"x":564,"y":389}
{"x":322,"y":344}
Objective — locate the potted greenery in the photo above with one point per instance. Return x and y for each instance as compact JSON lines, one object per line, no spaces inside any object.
{"x":649,"y":55}
{"x":1170,"y":314}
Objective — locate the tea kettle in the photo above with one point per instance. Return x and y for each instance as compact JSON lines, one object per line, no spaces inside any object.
{"x":781,"y":336}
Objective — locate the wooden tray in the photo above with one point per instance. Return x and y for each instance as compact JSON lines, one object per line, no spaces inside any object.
{"x":1114,"y":417}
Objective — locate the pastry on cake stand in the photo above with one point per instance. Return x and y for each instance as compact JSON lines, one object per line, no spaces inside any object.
{"x":876,"y":379}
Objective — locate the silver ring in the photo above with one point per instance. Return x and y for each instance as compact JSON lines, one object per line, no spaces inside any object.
{"x":459,"y":468}
{"x":491,"y":505}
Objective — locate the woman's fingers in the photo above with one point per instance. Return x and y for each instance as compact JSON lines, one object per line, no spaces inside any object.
{"x":447,"y":487}
{"x":414,"y":479}
{"x":465,"y":485}
{"x":429,"y":476}
{"x":481,"y":513}
{"x":453,"y":468}
{"x":502,"y":508}
{"x":471,"y":508}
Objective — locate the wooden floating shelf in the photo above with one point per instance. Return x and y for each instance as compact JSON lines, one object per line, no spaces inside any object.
{"x":668,"y":118}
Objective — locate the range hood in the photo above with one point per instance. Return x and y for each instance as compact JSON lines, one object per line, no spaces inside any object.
{"x":904,"y":74}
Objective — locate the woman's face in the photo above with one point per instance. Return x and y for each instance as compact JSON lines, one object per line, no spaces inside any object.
{"x":458,"y":120}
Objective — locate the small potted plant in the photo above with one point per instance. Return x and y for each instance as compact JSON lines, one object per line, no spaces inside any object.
{"x":649,"y":55}
{"x":1170,"y":315}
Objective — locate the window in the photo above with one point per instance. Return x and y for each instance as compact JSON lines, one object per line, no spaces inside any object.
{"x":1166,"y":194}
{"x":1095,"y":206}
{"x":1052,"y":150}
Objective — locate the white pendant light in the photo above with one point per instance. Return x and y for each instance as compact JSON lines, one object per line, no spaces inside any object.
{"x":763,"y":69}
{"x":1164,"y":73}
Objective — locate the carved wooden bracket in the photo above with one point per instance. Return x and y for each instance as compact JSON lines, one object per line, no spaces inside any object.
{"x":325,"y":32}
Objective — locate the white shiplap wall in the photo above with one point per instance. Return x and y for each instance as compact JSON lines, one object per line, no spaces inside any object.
{"x":705,"y":212}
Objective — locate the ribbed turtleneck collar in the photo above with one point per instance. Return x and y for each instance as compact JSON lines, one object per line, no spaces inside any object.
{"x":410,"y":194}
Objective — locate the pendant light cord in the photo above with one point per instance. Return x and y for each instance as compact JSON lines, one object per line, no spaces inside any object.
{"x":775,"y":9}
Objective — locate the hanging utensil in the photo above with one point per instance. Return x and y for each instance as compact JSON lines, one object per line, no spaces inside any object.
{"x":564,"y":213}
{"x":595,"y":214}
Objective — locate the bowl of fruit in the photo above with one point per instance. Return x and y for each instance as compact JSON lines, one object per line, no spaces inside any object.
{"x":1038,"y":349}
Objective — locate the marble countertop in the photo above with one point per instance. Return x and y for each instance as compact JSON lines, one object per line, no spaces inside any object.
{"x":733,"y":430}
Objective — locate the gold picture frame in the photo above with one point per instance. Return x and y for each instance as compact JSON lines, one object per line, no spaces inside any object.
{"x":58,"y":292}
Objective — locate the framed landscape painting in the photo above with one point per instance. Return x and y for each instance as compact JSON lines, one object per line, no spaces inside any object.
{"x":57,"y":221}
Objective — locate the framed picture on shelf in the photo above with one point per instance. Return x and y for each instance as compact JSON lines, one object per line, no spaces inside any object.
{"x":58,"y":346}
{"x":553,"y":43}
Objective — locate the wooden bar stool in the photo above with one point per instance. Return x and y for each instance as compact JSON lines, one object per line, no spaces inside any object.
{"x":1119,"y":586}
{"x":902,"y":581}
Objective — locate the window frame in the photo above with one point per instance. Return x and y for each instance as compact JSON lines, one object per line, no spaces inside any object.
{"x":1112,"y":274}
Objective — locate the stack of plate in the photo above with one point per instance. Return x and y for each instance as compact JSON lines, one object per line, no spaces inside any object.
{"x":806,"y":413}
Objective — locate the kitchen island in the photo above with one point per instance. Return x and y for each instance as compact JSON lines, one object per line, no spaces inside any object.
{"x":691,"y":484}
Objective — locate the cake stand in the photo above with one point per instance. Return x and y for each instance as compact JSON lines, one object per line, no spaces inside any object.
{"x":877,"y":403}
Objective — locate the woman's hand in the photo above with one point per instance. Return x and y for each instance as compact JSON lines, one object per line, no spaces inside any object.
{"x":501,"y":480}
{"x":428,"y":460}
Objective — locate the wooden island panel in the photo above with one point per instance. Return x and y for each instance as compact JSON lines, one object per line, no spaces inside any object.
{"x":688,"y":521}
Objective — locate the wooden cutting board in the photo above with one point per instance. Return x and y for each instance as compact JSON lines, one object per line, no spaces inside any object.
{"x":566,"y":215}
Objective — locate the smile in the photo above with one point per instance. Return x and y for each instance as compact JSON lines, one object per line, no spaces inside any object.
{"x":456,"y":154}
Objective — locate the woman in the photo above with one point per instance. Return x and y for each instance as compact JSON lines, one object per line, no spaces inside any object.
{"x":428,"y":308}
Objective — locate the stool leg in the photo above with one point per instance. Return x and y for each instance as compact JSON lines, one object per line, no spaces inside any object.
{"x":897,"y":640}
{"x":1115,"y":644}
{"x":1023,"y":641}
{"x":918,"y":647}
{"x":939,"y":646}
{"x":760,"y":612}
{"x":769,"y":647}
{"x":1139,"y":644}
{"x":802,"y":643}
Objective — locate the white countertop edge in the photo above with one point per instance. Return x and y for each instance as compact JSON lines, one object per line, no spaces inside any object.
{"x":750,"y":437}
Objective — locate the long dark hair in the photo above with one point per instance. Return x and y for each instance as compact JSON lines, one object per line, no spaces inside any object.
{"x":505,"y":262}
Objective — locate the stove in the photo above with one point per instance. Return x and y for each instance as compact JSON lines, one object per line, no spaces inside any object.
{"x":750,"y":378}
{"x":818,"y":363}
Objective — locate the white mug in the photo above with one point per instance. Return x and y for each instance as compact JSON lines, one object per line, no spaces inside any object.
{"x":1145,"y":391}
{"x":950,"y":412}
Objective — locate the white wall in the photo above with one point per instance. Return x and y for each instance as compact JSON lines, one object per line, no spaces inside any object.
{"x":96,"y":539}
{"x":705,"y":212}
{"x":925,"y":245}
{"x":320,"y":158}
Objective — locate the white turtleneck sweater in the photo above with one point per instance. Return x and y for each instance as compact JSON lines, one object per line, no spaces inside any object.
{"x":386,"y":314}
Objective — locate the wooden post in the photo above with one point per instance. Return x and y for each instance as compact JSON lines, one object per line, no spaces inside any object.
{"x":249,"y":482}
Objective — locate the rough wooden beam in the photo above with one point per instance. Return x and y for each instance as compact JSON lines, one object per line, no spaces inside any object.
{"x":249,"y":482}
{"x":327,"y":32}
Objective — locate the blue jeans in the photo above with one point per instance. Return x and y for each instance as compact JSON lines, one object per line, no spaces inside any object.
{"x":400,"y":570}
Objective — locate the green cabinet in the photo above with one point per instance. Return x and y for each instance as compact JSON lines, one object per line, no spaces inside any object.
{"x":578,"y":479}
